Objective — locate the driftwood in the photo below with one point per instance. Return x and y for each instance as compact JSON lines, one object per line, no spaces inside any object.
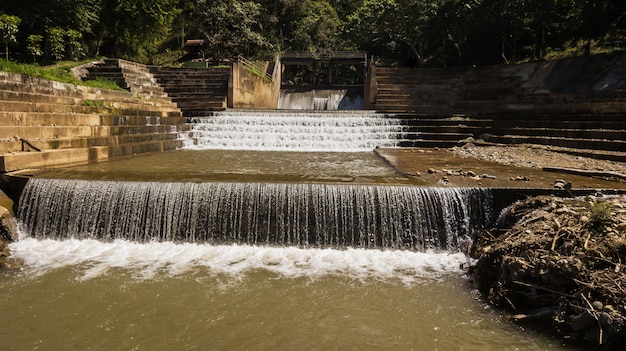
{"x":585,"y":172}
{"x":559,"y":260}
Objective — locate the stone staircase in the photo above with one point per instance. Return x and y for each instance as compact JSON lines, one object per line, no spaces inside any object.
{"x":448,"y":107}
{"x":196,"y":91}
{"x":46,"y":124}
{"x":131,"y":76}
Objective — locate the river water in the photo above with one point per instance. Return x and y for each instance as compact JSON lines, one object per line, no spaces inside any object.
{"x":66,"y":293}
{"x":90,"y":295}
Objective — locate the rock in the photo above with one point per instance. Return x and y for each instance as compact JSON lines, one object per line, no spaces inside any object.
{"x":8,"y":225}
{"x":605,"y":319}
{"x":471,"y":174}
{"x":582,"y":321}
{"x":597,"y":305}
{"x":431,"y":171}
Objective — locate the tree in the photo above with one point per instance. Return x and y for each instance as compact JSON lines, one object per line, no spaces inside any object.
{"x":134,"y":29}
{"x":232,"y":28}
{"x":33,"y":46}
{"x":388,"y":25}
{"x":75,"y":47}
{"x":9,"y":26}
{"x":56,"y":41}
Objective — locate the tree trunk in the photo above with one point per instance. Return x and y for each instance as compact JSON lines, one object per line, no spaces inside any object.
{"x":417,"y":54}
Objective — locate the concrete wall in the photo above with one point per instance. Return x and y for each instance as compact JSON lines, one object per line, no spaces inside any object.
{"x":64,"y":124}
{"x":246,"y":90}
{"x":371,"y":87}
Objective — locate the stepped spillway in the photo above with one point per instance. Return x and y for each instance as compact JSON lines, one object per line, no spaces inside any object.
{"x":295,"y":131}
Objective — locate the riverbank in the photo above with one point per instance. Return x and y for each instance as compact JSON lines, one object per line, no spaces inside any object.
{"x":558,"y":262}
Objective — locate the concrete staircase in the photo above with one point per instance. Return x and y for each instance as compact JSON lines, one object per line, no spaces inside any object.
{"x":47,"y":124}
{"x":505,"y":105}
{"x":196,"y":91}
{"x":131,"y":76}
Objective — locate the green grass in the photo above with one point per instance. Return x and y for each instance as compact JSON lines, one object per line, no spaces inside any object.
{"x":59,"y":72}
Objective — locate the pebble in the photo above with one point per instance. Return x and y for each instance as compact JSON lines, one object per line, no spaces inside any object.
{"x":597,"y":305}
{"x":605,"y":319}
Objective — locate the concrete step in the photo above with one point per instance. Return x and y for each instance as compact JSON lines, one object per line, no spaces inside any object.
{"x":424,"y":135}
{"x":117,"y":136}
{"x":90,"y":108}
{"x":594,"y":144}
{"x":47,"y":119}
{"x":182,"y":88}
{"x":199,"y":105}
{"x":193,"y":84}
{"x":198,"y":99}
{"x":9,"y":95}
{"x":431,"y":143}
{"x":77,"y":132}
{"x":64,"y":157}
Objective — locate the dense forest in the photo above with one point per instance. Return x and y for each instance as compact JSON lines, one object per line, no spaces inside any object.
{"x":398,"y":32}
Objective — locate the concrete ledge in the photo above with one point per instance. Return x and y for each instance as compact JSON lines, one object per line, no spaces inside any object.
{"x":49,"y":158}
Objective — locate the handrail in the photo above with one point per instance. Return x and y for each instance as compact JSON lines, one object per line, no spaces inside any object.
{"x":24,"y":141}
{"x":326,"y":55}
{"x":255,"y":67}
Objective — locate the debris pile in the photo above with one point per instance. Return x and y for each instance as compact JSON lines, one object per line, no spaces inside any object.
{"x":560,"y":261}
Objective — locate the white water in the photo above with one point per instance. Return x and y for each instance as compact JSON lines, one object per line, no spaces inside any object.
{"x":146,"y":260}
{"x":295,"y":131}
{"x":303,"y":215}
{"x":320,"y":99}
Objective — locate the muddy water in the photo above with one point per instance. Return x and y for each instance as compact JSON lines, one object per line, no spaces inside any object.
{"x":242,"y":166}
{"x":122,"y":296}
{"x":83,"y":294}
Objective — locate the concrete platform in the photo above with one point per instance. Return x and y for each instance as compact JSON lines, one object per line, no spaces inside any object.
{"x":451,"y":170}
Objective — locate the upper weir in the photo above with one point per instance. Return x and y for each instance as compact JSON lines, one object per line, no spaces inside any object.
{"x":575,"y":106}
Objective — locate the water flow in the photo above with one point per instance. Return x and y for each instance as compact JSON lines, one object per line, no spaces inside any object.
{"x":303,"y":215}
{"x":296,"y":131}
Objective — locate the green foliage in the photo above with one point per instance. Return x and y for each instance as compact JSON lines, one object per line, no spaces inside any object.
{"x":56,"y":40}
{"x":59,"y":73}
{"x":8,"y":29}
{"x":600,"y":215}
{"x":92,"y":103}
{"x":432,"y":32}
{"x":231,"y":28}
{"x":75,"y":47}
{"x":33,"y":46}
{"x":134,"y":29}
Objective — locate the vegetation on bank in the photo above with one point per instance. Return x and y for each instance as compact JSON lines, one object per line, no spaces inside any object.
{"x":398,"y":32}
{"x":59,"y":72}
{"x":559,"y":262}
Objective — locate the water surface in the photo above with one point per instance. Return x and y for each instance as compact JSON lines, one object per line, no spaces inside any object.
{"x":90,"y":295}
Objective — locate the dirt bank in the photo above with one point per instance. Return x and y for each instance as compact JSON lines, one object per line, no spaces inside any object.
{"x":559,"y":261}
{"x":536,"y":156}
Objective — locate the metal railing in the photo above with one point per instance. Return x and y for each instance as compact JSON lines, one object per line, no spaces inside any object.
{"x":324,"y":55}
{"x":257,"y":68}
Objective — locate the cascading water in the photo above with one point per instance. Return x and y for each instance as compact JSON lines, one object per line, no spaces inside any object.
{"x":304,"y":215}
{"x":296,"y":131}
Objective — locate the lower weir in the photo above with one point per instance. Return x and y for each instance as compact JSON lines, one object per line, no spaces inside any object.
{"x":303,"y":215}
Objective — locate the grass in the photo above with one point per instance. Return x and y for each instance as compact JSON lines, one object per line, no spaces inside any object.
{"x":59,"y":72}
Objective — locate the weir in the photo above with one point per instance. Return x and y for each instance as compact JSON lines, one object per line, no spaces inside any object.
{"x":296,"y":131}
{"x":303,"y":215}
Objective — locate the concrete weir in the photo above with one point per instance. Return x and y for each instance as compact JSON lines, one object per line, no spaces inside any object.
{"x":46,"y":124}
